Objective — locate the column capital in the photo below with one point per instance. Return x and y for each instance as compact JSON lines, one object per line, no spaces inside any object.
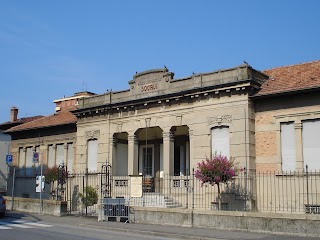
{"x":168,"y":135}
{"x":113,"y":140}
{"x":133,"y":138}
{"x":298,"y":125}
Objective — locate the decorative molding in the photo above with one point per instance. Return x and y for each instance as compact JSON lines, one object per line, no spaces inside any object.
{"x":220,"y":119}
{"x":93,"y":134}
{"x":179,"y":120}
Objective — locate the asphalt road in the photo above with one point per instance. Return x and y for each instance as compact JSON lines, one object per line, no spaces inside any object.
{"x":23,"y":226}
{"x":16,"y":229}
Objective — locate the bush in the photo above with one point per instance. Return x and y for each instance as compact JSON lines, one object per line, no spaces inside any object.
{"x":90,"y":196}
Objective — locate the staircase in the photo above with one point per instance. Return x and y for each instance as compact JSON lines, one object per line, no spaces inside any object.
{"x":154,"y":200}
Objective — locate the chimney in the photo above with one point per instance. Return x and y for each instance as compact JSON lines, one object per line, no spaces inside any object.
{"x":13,"y":114}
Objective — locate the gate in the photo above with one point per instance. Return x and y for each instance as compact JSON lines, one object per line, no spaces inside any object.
{"x":85,"y":188}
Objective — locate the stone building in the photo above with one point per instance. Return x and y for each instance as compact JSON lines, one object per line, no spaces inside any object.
{"x":162,"y":125}
{"x":53,"y":137}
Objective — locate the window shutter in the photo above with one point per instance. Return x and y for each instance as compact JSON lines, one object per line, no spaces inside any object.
{"x":311,"y":144}
{"x":122,"y":159}
{"x":70,"y":157}
{"x":50,"y":156}
{"x":220,"y":141}
{"x":29,"y":163}
{"x":92,"y":155}
{"x":288,"y":147}
{"x":60,"y":154}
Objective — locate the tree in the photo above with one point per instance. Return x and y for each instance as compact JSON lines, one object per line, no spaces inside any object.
{"x":217,"y":170}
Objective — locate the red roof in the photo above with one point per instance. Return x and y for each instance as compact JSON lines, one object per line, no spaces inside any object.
{"x":60,"y":118}
{"x":291,"y":78}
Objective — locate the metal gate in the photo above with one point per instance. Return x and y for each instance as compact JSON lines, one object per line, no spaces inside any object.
{"x":84,"y":189}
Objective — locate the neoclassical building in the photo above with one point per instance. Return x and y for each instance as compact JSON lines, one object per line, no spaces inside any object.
{"x":161,"y":125}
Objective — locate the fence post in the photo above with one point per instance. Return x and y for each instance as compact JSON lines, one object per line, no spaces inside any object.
{"x":307,"y":187}
{"x":86,"y":192}
{"x":193,"y":188}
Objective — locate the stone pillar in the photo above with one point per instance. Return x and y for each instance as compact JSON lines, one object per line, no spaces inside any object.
{"x":133,"y":152}
{"x":54,"y":147}
{"x":168,"y":153}
{"x":191,"y":151}
{"x":113,"y":154}
{"x":299,"y":154}
{"x":65,"y":153}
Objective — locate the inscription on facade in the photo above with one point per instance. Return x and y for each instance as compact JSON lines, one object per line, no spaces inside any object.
{"x":220,"y":119}
{"x":149,"y":87}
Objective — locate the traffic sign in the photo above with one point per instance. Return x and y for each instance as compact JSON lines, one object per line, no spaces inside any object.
{"x":9,"y":159}
{"x":35,"y":158}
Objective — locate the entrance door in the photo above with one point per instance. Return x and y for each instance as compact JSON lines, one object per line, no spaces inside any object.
{"x":147,"y":156}
{"x":146,"y":167}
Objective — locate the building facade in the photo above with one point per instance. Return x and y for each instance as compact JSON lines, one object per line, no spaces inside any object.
{"x":162,"y":125}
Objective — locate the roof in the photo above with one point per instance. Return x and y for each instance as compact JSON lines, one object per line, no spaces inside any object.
{"x":7,"y":125}
{"x":60,"y":118}
{"x":304,"y":76}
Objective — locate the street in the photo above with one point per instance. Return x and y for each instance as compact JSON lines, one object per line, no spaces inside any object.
{"x":15,"y":229}
{"x":24,"y":226}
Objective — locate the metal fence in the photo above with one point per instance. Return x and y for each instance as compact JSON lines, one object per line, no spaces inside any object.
{"x":289,"y":192}
{"x":278,"y":192}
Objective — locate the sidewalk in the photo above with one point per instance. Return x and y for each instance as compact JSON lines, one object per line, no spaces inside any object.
{"x":155,"y":230}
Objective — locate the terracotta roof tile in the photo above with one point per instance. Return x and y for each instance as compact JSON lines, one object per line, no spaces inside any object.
{"x":291,"y":78}
{"x":59,"y":118}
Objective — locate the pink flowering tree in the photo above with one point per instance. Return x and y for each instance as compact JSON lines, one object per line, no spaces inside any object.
{"x":218,"y":169}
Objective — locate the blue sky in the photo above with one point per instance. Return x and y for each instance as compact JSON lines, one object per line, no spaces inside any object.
{"x":52,"y":49}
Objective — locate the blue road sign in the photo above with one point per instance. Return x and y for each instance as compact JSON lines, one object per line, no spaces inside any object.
{"x":9,"y":159}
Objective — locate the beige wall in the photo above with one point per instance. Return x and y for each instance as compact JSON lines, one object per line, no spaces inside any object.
{"x":200,"y":116}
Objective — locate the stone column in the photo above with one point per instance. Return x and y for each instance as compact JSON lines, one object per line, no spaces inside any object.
{"x":298,"y":137}
{"x":65,"y":153}
{"x":189,"y":160}
{"x":54,"y":147}
{"x":133,"y":152}
{"x":168,"y":153}
{"x":113,"y":154}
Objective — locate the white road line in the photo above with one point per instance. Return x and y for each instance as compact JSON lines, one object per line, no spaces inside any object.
{"x":1,"y":227}
{"x":38,"y":224}
{"x":19,"y":225}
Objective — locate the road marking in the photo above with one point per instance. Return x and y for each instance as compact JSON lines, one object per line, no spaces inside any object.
{"x":1,"y":227}
{"x":38,"y":224}
{"x":18,"y":225}
{"x":22,"y":224}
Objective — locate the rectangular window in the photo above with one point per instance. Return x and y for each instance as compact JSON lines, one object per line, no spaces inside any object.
{"x":92,"y":155}
{"x":220,"y":141}
{"x":288,"y":147}
{"x":311,"y":144}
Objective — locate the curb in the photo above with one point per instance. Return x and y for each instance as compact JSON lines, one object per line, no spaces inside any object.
{"x":152,"y":233}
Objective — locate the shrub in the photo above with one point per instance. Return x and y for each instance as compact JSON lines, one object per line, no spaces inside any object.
{"x":90,"y":196}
